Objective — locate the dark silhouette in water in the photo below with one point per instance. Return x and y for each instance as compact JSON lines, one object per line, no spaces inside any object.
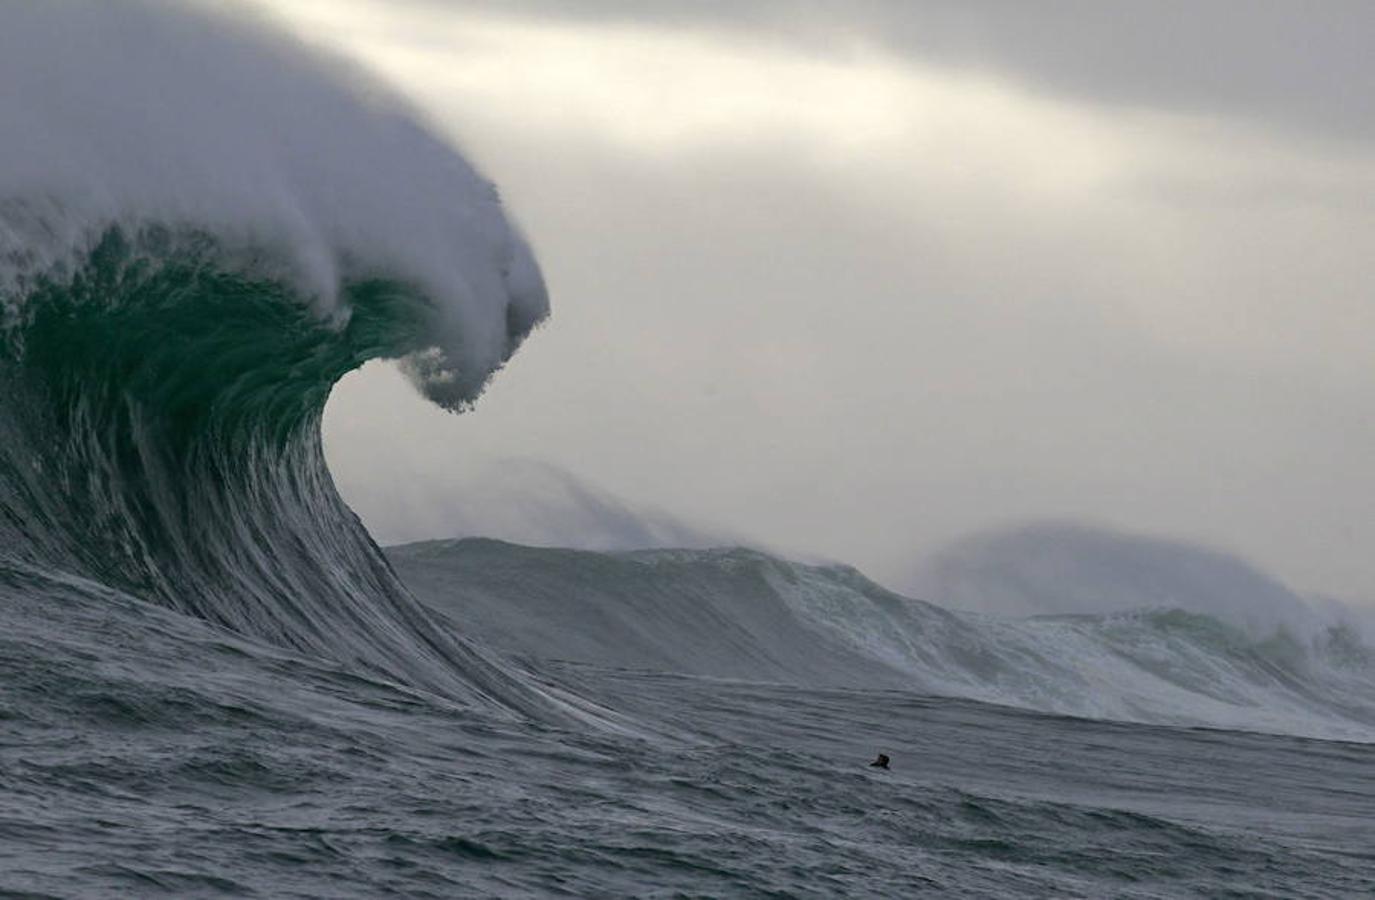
{"x":881,"y":762}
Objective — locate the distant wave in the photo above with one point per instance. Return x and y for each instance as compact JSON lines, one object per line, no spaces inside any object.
{"x":202,"y":228}
{"x":743,"y":614}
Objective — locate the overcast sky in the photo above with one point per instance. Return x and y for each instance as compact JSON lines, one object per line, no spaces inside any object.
{"x":852,"y":279}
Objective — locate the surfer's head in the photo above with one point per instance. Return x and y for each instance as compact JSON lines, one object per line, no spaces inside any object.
{"x":881,"y":762}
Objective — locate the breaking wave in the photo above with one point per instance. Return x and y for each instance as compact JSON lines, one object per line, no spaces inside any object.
{"x":744,"y":614}
{"x":203,"y":227}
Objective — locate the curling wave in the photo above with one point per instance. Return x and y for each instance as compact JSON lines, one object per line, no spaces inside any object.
{"x":202,"y":228}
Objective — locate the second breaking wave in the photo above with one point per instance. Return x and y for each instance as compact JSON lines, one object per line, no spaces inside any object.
{"x":743,"y":614}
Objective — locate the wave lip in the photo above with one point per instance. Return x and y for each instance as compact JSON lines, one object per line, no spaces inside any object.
{"x":185,"y":117}
{"x":203,"y":226}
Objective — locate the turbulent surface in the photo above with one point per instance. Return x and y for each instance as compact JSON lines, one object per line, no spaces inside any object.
{"x":144,"y":753}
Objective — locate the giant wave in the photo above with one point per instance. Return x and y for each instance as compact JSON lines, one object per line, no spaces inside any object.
{"x":203,"y":226}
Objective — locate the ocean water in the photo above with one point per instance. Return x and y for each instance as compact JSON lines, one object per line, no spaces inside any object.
{"x":214,"y":683}
{"x":147,"y":754}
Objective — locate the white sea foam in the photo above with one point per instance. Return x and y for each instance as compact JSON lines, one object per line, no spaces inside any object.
{"x":201,"y":115}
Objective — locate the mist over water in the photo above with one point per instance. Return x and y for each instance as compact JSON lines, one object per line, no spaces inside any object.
{"x":1061,"y":567}
{"x":519,"y":500}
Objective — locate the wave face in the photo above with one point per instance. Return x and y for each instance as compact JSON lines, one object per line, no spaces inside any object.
{"x":202,"y":228}
{"x":743,"y":614}
{"x":714,"y":613}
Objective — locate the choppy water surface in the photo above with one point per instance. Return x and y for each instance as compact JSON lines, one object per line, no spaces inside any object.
{"x":145,"y":754}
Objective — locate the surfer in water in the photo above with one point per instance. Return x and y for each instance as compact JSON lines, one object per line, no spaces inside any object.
{"x":881,"y":762}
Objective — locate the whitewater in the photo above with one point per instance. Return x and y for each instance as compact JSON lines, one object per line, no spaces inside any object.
{"x":744,"y":614}
{"x":214,"y":683}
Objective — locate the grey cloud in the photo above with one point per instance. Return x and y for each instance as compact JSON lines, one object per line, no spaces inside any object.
{"x":1297,"y":66}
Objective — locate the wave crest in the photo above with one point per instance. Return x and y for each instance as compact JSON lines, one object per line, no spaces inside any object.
{"x":202,"y":120}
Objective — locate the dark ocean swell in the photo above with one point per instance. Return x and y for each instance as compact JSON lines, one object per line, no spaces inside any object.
{"x":160,"y":435}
